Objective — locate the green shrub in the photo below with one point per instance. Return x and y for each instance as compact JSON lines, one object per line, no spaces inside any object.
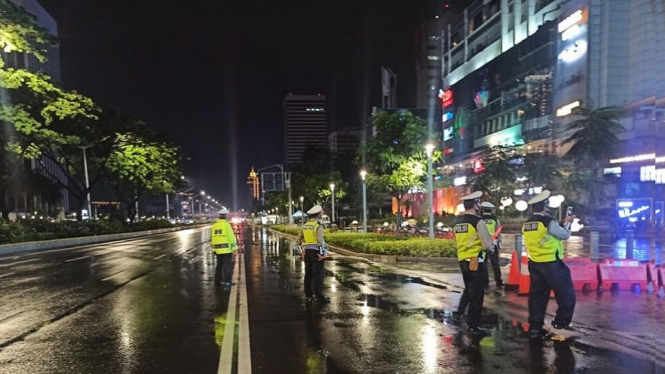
{"x":416,"y":247}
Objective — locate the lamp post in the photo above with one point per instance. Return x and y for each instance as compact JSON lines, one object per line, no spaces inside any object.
{"x":363,"y":174}
{"x":332,"y":188}
{"x":302,"y":214}
{"x":87,"y":183}
{"x":430,"y":186}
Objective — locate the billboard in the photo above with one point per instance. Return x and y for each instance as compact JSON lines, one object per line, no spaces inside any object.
{"x":272,"y":182}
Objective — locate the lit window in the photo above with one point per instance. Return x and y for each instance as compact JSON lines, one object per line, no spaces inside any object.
{"x":433,"y":58}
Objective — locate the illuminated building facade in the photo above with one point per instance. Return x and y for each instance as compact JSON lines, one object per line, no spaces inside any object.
{"x":253,"y":182}
{"x":305,"y":125}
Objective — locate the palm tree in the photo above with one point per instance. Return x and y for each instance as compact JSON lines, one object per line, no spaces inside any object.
{"x":542,"y":170}
{"x":595,"y":138}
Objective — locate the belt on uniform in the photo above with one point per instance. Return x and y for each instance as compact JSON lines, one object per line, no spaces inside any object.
{"x":220,"y":246}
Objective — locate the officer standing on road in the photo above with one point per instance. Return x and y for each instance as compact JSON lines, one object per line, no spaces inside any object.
{"x":493,"y":224}
{"x":223,"y":242}
{"x":543,"y":240}
{"x":473,"y":240}
{"x":311,"y":236}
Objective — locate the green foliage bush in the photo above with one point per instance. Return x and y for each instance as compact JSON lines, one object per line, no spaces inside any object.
{"x":36,"y":230}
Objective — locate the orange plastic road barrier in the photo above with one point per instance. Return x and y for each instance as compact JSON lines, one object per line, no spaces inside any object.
{"x":525,"y":276}
{"x":584,"y":273}
{"x":514,"y":274}
{"x":624,"y":274}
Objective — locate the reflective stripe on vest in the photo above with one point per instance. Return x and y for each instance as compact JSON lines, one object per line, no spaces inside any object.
{"x":468,"y":241}
{"x":309,"y":231}
{"x":223,"y":239}
{"x":491,"y":225}
{"x":541,"y":246}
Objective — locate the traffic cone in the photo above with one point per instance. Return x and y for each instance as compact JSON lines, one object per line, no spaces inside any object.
{"x":514,"y":274}
{"x":525,"y":277}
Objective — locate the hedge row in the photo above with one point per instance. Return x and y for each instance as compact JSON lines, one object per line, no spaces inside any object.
{"x":36,"y":230}
{"x":385,"y":244}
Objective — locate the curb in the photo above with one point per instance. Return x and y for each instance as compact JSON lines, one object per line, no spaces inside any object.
{"x":83,"y":240}
{"x":381,"y":258}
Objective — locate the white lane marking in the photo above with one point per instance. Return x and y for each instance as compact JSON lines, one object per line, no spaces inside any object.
{"x":6,"y":275}
{"x":244,"y":353}
{"x":226,"y":355}
{"x":111,"y":276}
{"x":76,"y":259}
{"x":19,"y":262}
{"x":159,"y":257}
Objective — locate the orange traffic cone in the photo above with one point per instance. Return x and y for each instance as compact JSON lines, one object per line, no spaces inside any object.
{"x":514,"y":274}
{"x":525,"y":277}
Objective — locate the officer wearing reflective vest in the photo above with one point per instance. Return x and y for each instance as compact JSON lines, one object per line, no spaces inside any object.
{"x":543,"y":238}
{"x":473,"y":240}
{"x":311,"y":238}
{"x":223,"y":242}
{"x":493,"y":225}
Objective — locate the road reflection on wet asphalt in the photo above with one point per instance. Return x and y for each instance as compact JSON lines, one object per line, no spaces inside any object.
{"x":149,"y":305}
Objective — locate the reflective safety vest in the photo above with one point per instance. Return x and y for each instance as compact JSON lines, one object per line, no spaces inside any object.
{"x":309,"y":231}
{"x":490,"y":222}
{"x":540,"y":245}
{"x":467,"y":237}
{"x":223,"y":238}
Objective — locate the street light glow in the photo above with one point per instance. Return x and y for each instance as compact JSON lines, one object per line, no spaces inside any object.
{"x":302,"y":198}
{"x":363,"y":173}
{"x":429,"y":148}
{"x":332,"y":187}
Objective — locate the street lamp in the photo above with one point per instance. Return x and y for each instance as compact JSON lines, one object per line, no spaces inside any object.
{"x":87,"y":183}
{"x":332,"y":188}
{"x":363,"y":174}
{"x":302,"y":213}
{"x":429,"y":148}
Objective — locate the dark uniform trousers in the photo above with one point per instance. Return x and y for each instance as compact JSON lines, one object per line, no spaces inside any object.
{"x":224,"y":269}
{"x":474,"y":292}
{"x":313,"y":273}
{"x":493,"y":258}
{"x":545,"y":277}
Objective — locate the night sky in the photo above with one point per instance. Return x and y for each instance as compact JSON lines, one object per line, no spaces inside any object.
{"x":213,"y":74}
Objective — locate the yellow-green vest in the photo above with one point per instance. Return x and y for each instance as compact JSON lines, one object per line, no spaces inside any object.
{"x":223,"y":238}
{"x":467,"y":237}
{"x":309,"y":231}
{"x":541,"y":246}
{"x":490,"y":222}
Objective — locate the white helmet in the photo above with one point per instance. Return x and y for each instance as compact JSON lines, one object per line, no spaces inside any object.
{"x":316,"y":209}
{"x":487,"y":205}
{"x":223,"y":212}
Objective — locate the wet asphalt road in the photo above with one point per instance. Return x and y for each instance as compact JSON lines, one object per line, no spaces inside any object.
{"x":149,"y":306}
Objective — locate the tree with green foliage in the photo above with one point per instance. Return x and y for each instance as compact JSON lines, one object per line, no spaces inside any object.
{"x":33,"y":110}
{"x":542,"y":170}
{"x":497,"y":174}
{"x":395,"y":158}
{"x":594,"y":140}
{"x":140,"y":165}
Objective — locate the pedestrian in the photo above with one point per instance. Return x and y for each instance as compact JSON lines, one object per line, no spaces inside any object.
{"x":223,"y":243}
{"x":543,"y":238}
{"x":311,"y":237}
{"x":493,"y":225}
{"x":473,"y":240}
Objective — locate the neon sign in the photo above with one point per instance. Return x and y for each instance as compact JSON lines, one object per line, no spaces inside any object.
{"x":447,"y":116}
{"x":447,"y":134}
{"x":567,"y":109}
{"x":649,"y":156}
{"x":571,"y":20}
{"x":626,"y":213}
{"x":573,"y":52}
{"x":446,"y":98}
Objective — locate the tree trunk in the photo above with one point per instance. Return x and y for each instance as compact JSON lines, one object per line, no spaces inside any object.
{"x":398,"y":216}
{"x":4,"y":208}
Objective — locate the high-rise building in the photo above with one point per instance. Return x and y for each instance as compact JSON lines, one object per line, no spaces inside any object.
{"x":51,"y":67}
{"x":344,"y":141}
{"x":305,"y":125}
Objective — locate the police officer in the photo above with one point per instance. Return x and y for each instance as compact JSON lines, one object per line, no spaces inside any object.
{"x":311,"y":237}
{"x":493,"y":224}
{"x":543,"y":240}
{"x":473,"y":240}
{"x":223,"y":243}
